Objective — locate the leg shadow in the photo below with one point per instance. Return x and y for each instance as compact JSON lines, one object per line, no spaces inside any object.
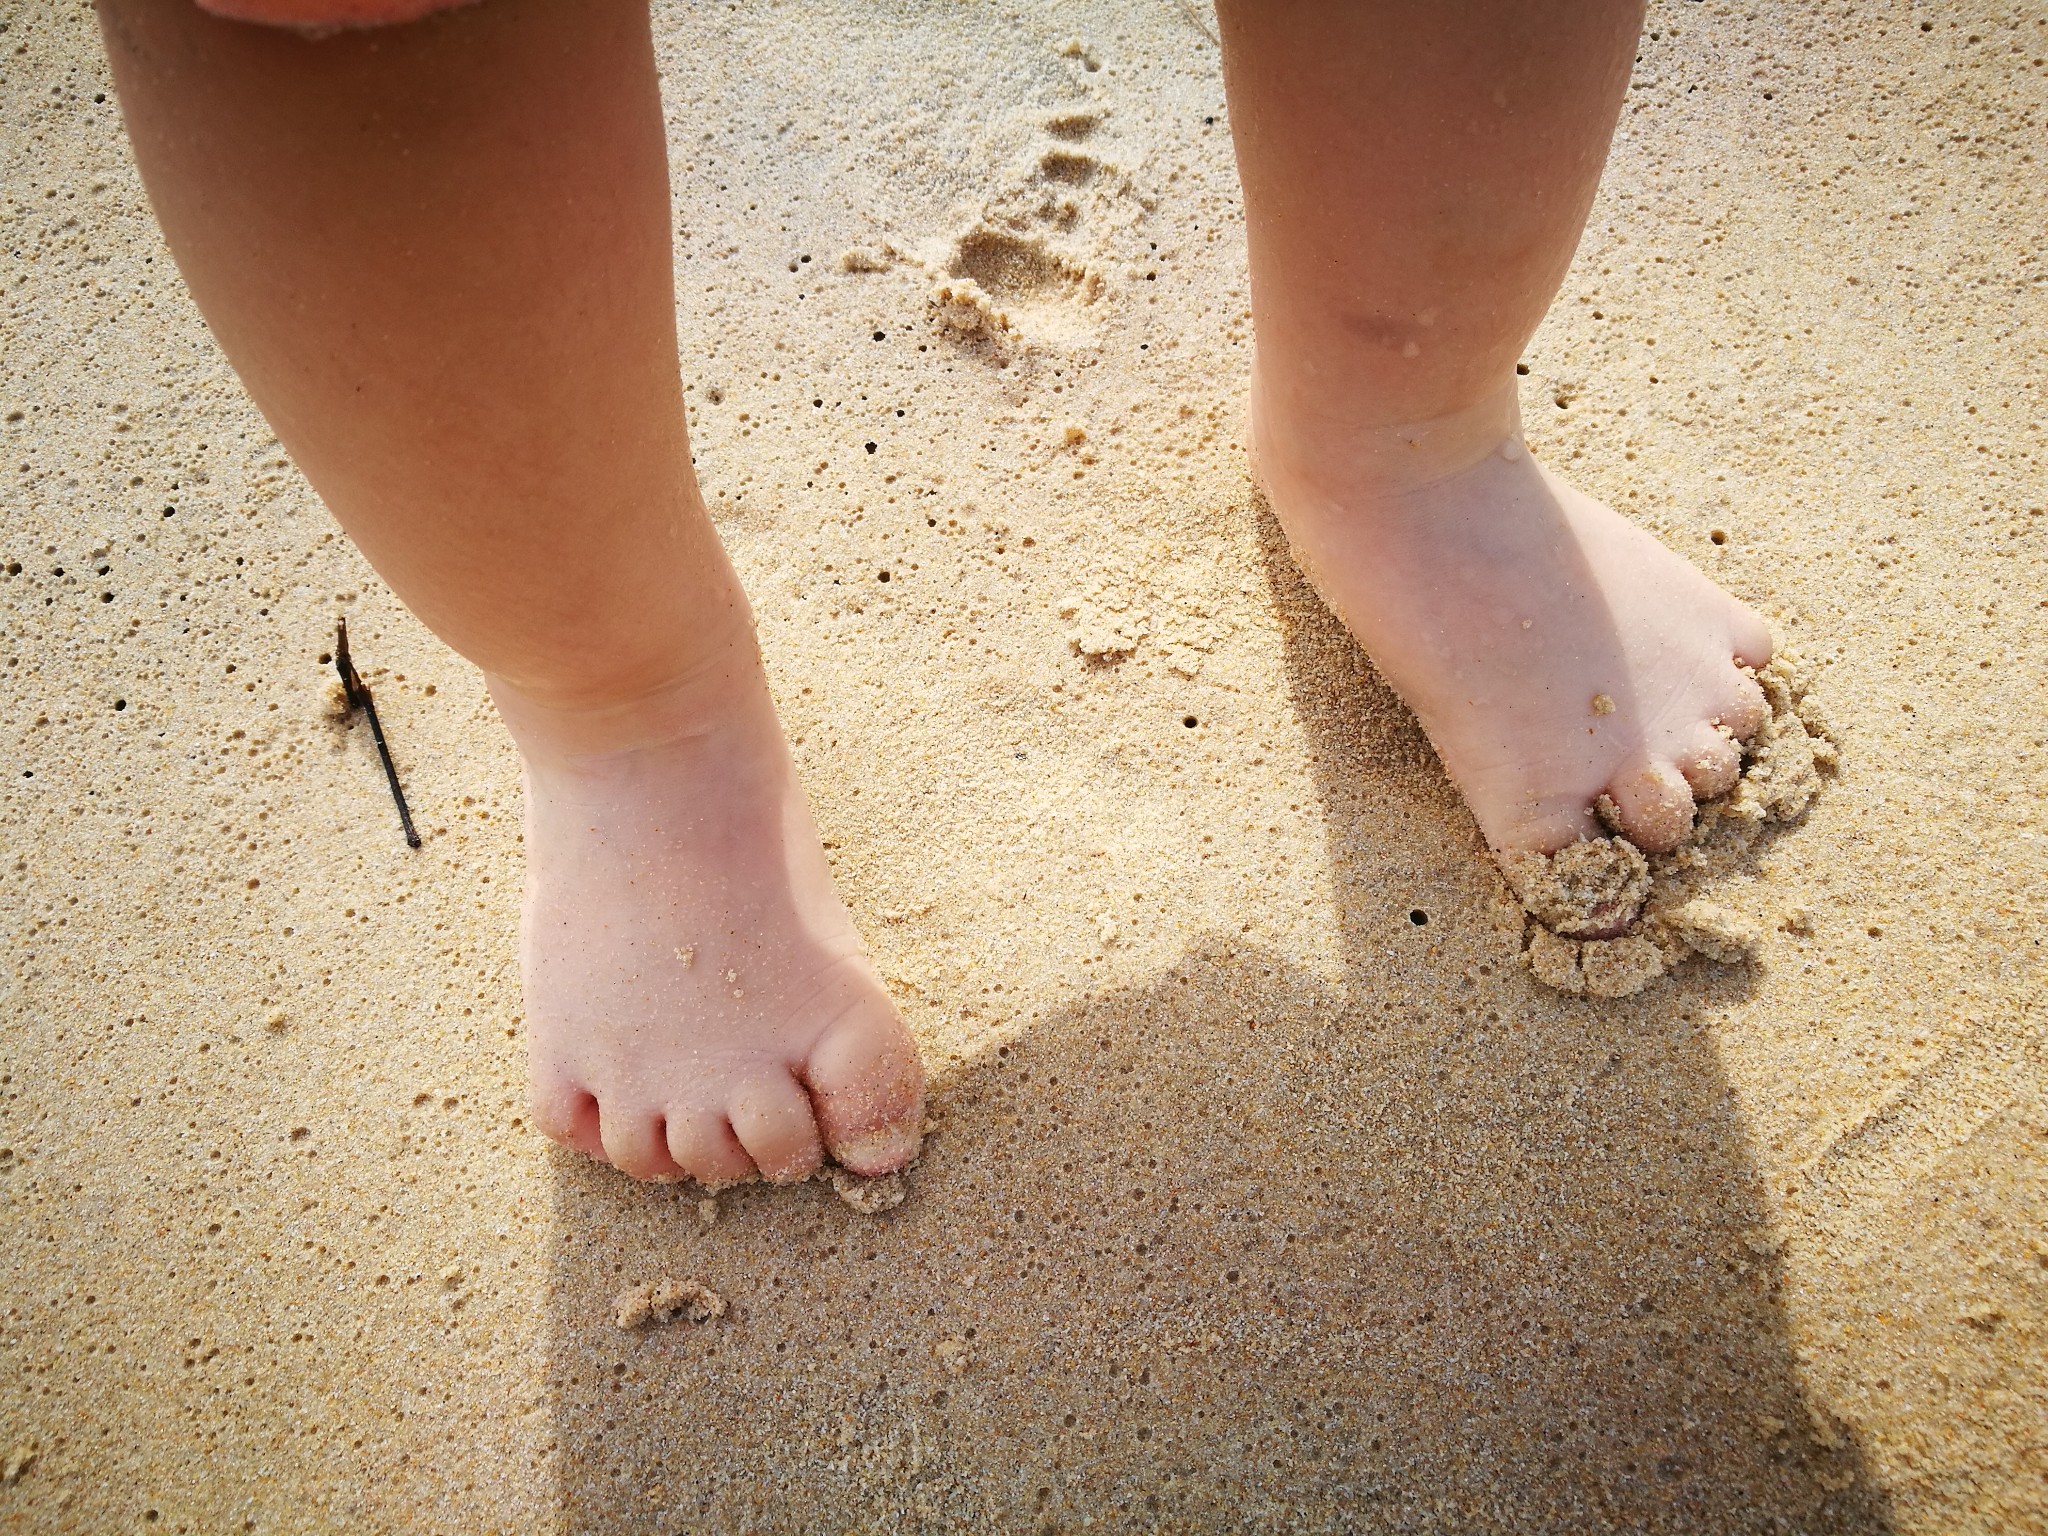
{"x":1418,"y":1246}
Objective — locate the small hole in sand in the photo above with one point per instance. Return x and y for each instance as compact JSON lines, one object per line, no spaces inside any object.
{"x":871,"y":447}
{"x":881,"y":335}
{"x":1719,"y":536}
{"x":1418,"y":917}
{"x":881,"y":576}
{"x":1189,"y":721}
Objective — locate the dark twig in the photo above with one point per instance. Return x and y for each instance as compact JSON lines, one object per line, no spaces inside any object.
{"x":1194,"y":19}
{"x":357,"y":693}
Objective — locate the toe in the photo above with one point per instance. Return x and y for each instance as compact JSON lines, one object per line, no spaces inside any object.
{"x":702,"y":1145}
{"x":567,"y":1112}
{"x":1711,"y":765}
{"x":868,"y":1088}
{"x":1751,"y":638}
{"x":773,"y":1120}
{"x":1655,"y":804}
{"x":635,"y":1143}
{"x":1745,"y":711}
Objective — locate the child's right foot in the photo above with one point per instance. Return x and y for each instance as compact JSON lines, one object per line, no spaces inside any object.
{"x":698,"y":1002}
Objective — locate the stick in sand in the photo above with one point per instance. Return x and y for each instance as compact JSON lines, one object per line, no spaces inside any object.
{"x":357,"y":692}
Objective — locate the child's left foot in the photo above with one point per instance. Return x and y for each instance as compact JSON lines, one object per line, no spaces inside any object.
{"x":1553,"y":651}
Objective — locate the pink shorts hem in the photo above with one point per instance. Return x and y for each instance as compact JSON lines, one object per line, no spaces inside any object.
{"x":328,"y":15}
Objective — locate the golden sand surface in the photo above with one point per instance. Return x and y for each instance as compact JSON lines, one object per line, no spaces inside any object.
{"x":1269,"y":1192}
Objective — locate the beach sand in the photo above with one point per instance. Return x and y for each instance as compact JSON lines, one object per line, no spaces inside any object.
{"x":1269,"y":1191}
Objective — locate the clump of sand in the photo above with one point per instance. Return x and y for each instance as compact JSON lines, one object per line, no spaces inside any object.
{"x":870,"y":1197}
{"x":663,"y":1301}
{"x":1608,"y":920}
{"x":1587,"y":889}
{"x":966,"y":306}
{"x":1613,"y":967}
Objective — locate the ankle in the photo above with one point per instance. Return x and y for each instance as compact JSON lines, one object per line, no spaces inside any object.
{"x":580,"y":720}
{"x":1344,"y":446}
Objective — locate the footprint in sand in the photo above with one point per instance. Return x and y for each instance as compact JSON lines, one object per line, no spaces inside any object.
{"x":1007,"y":287}
{"x":1028,"y":271}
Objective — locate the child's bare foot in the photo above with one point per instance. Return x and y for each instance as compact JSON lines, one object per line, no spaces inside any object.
{"x":1553,"y":651}
{"x":698,"y":1002}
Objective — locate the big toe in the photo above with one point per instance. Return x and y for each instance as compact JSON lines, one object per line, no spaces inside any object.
{"x":1655,"y":805}
{"x":867,"y":1086}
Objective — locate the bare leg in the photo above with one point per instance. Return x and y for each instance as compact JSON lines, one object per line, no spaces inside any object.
{"x":1416,"y":176}
{"x":438,"y":255}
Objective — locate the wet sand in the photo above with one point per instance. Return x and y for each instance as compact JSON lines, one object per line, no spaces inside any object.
{"x":1269,"y":1190}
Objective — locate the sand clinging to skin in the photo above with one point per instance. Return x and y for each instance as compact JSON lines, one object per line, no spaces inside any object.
{"x":1606,"y":920}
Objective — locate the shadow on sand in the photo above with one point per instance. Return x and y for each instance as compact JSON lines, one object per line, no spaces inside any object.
{"x":1419,"y":1246}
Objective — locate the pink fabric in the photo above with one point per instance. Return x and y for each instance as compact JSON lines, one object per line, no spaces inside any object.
{"x":328,"y":15}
